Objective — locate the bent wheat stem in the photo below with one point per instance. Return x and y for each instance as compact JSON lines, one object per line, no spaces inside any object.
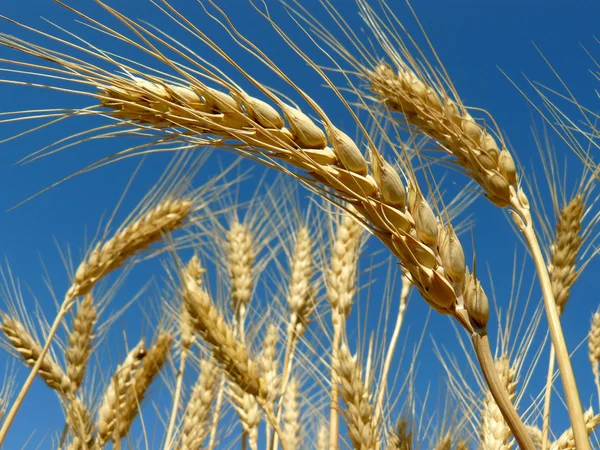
{"x":484,"y":355}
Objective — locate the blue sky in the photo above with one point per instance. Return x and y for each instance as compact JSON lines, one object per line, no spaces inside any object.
{"x":473,"y":40}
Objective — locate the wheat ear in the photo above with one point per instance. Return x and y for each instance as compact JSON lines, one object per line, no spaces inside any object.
{"x":114,"y":402}
{"x":301,"y":302}
{"x":247,"y":409}
{"x":291,"y":416}
{"x":563,"y":273}
{"x":81,"y":424}
{"x":566,"y":440}
{"x":79,"y":340}
{"x":153,"y":362}
{"x":359,"y":413}
{"x":227,"y":350}
{"x":269,"y":370}
{"x":256,"y":129}
{"x":30,"y":350}
{"x":107,"y":256}
{"x":495,"y":434}
{"x":594,"y":349}
{"x":195,"y":421}
{"x":341,"y":288}
{"x":430,"y":110}
{"x":241,"y":255}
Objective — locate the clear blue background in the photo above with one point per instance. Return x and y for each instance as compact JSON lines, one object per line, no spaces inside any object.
{"x":472,"y":38}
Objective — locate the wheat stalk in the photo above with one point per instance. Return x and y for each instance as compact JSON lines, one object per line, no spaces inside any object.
{"x":195,"y":421}
{"x":563,"y":273}
{"x":430,"y":109}
{"x":495,"y":434}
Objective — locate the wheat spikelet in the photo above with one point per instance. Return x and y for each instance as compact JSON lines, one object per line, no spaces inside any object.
{"x":565,"y":250}
{"x":79,"y":340}
{"x":495,"y":434}
{"x":291,"y":416}
{"x":359,"y":412}
{"x":227,"y":349}
{"x":117,"y":395}
{"x":247,"y":409}
{"x":133,"y":237}
{"x":195,"y":421}
{"x":151,"y":365}
{"x":241,"y":259}
{"x":29,"y":349}
{"x":566,"y":441}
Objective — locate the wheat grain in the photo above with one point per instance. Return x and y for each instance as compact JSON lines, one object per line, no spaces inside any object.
{"x":114,"y":403}
{"x":79,"y":340}
{"x":29,"y":349}
{"x":195,"y":421}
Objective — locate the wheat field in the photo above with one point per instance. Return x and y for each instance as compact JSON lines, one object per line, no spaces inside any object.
{"x":290,"y":224}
